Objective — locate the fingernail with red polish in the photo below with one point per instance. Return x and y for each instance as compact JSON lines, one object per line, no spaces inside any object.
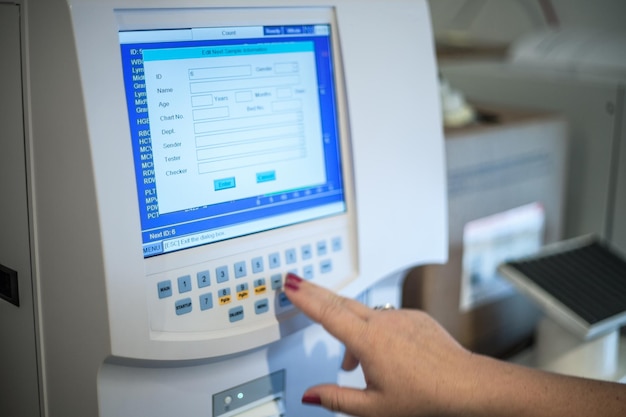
{"x":292,"y":281}
{"x":311,"y":399}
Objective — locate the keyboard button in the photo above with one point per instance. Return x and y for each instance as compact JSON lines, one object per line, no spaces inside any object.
{"x":235,"y":314}
{"x":290,"y":256}
{"x":184,"y":284}
{"x":322,"y":248}
{"x":257,"y":265}
{"x":274,"y":260}
{"x":221,"y":274}
{"x":242,"y":291}
{"x":259,"y":286}
{"x":277,"y":281}
{"x":307,"y":272}
{"x":206,"y":301}
{"x":261,"y":306}
{"x":183,"y":306}
{"x":165,"y":289}
{"x":224,"y":296}
{"x":326,"y":266}
{"x":204,"y":279}
{"x":240,"y":270}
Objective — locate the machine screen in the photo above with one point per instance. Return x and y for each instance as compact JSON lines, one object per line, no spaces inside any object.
{"x":234,"y":131}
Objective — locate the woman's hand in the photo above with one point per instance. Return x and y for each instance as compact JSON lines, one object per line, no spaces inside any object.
{"x":414,"y":368}
{"x":410,"y":363}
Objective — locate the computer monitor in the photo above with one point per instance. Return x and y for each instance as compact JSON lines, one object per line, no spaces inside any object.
{"x":122,"y":315}
{"x":242,"y":165}
{"x":234,"y":130}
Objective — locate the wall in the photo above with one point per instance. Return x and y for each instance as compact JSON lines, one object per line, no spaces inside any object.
{"x":502,"y":21}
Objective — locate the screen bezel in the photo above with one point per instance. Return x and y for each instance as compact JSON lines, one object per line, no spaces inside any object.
{"x":132,"y":20}
{"x":154,"y":19}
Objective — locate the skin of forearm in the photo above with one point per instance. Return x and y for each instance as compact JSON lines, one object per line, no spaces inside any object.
{"x":504,"y":389}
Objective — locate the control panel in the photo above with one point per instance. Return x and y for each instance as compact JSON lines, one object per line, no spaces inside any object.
{"x":244,"y":288}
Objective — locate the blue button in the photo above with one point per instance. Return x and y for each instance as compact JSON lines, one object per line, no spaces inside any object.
{"x":183,"y":306}
{"x":290,"y":256}
{"x":265,"y":176}
{"x":283,"y":301}
{"x":294,"y":30}
{"x":204,"y":279}
{"x":257,"y":265}
{"x":307,"y":272}
{"x":165,"y":288}
{"x":235,"y":314}
{"x":242,"y":287}
{"x":224,"y":292}
{"x":321,"y":248}
{"x":259,"y":282}
{"x":277,"y":281}
{"x":240,"y":269}
{"x":274,"y":259}
{"x":224,"y":183}
{"x":272,"y":30}
{"x":336,"y":244}
{"x":326,"y":266}
{"x":306,"y":252}
{"x":184,"y":284}
{"x":150,"y":249}
{"x":261,"y":306}
{"x":221,"y":274}
{"x":206,"y":301}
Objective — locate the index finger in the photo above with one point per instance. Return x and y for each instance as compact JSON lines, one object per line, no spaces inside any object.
{"x":342,"y":317}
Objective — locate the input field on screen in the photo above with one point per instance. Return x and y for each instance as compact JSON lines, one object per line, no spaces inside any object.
{"x":246,"y":136}
{"x":286,"y":67}
{"x":243,"y":161}
{"x":220,"y":72}
{"x":204,"y":100}
{"x":257,"y":148}
{"x":286,"y":105}
{"x":243,"y":84}
{"x":213,"y":113}
{"x":259,"y":152}
{"x":247,"y":123}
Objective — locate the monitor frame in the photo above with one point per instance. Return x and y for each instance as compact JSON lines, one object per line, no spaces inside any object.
{"x":100,"y":203}
{"x":228,"y":212}
{"x":153,"y":334}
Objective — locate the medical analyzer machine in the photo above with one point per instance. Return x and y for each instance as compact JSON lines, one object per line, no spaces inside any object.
{"x":168,"y":162}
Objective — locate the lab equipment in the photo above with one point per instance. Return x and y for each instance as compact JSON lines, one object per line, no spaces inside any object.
{"x":506,"y":184}
{"x":176,"y":161}
{"x":580,"y":285}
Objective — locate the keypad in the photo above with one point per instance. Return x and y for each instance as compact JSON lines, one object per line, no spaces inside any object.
{"x":246,"y":286}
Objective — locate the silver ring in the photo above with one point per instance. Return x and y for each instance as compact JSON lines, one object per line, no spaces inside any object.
{"x":387,"y":306}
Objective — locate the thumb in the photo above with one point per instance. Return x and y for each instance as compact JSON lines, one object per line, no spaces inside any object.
{"x":339,"y":399}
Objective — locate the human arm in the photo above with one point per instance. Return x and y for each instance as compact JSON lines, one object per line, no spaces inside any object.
{"x":413,"y":368}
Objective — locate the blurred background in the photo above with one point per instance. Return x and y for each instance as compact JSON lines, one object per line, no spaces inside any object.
{"x":496,"y":23}
{"x":533,"y":99}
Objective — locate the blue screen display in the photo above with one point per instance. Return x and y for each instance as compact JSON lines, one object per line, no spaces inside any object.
{"x":234,"y":131}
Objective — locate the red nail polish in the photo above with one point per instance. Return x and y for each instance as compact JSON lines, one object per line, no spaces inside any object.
{"x":292,"y":281}
{"x":311,"y":399}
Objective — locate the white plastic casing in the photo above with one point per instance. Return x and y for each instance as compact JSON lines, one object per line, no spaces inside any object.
{"x":393,"y":166}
